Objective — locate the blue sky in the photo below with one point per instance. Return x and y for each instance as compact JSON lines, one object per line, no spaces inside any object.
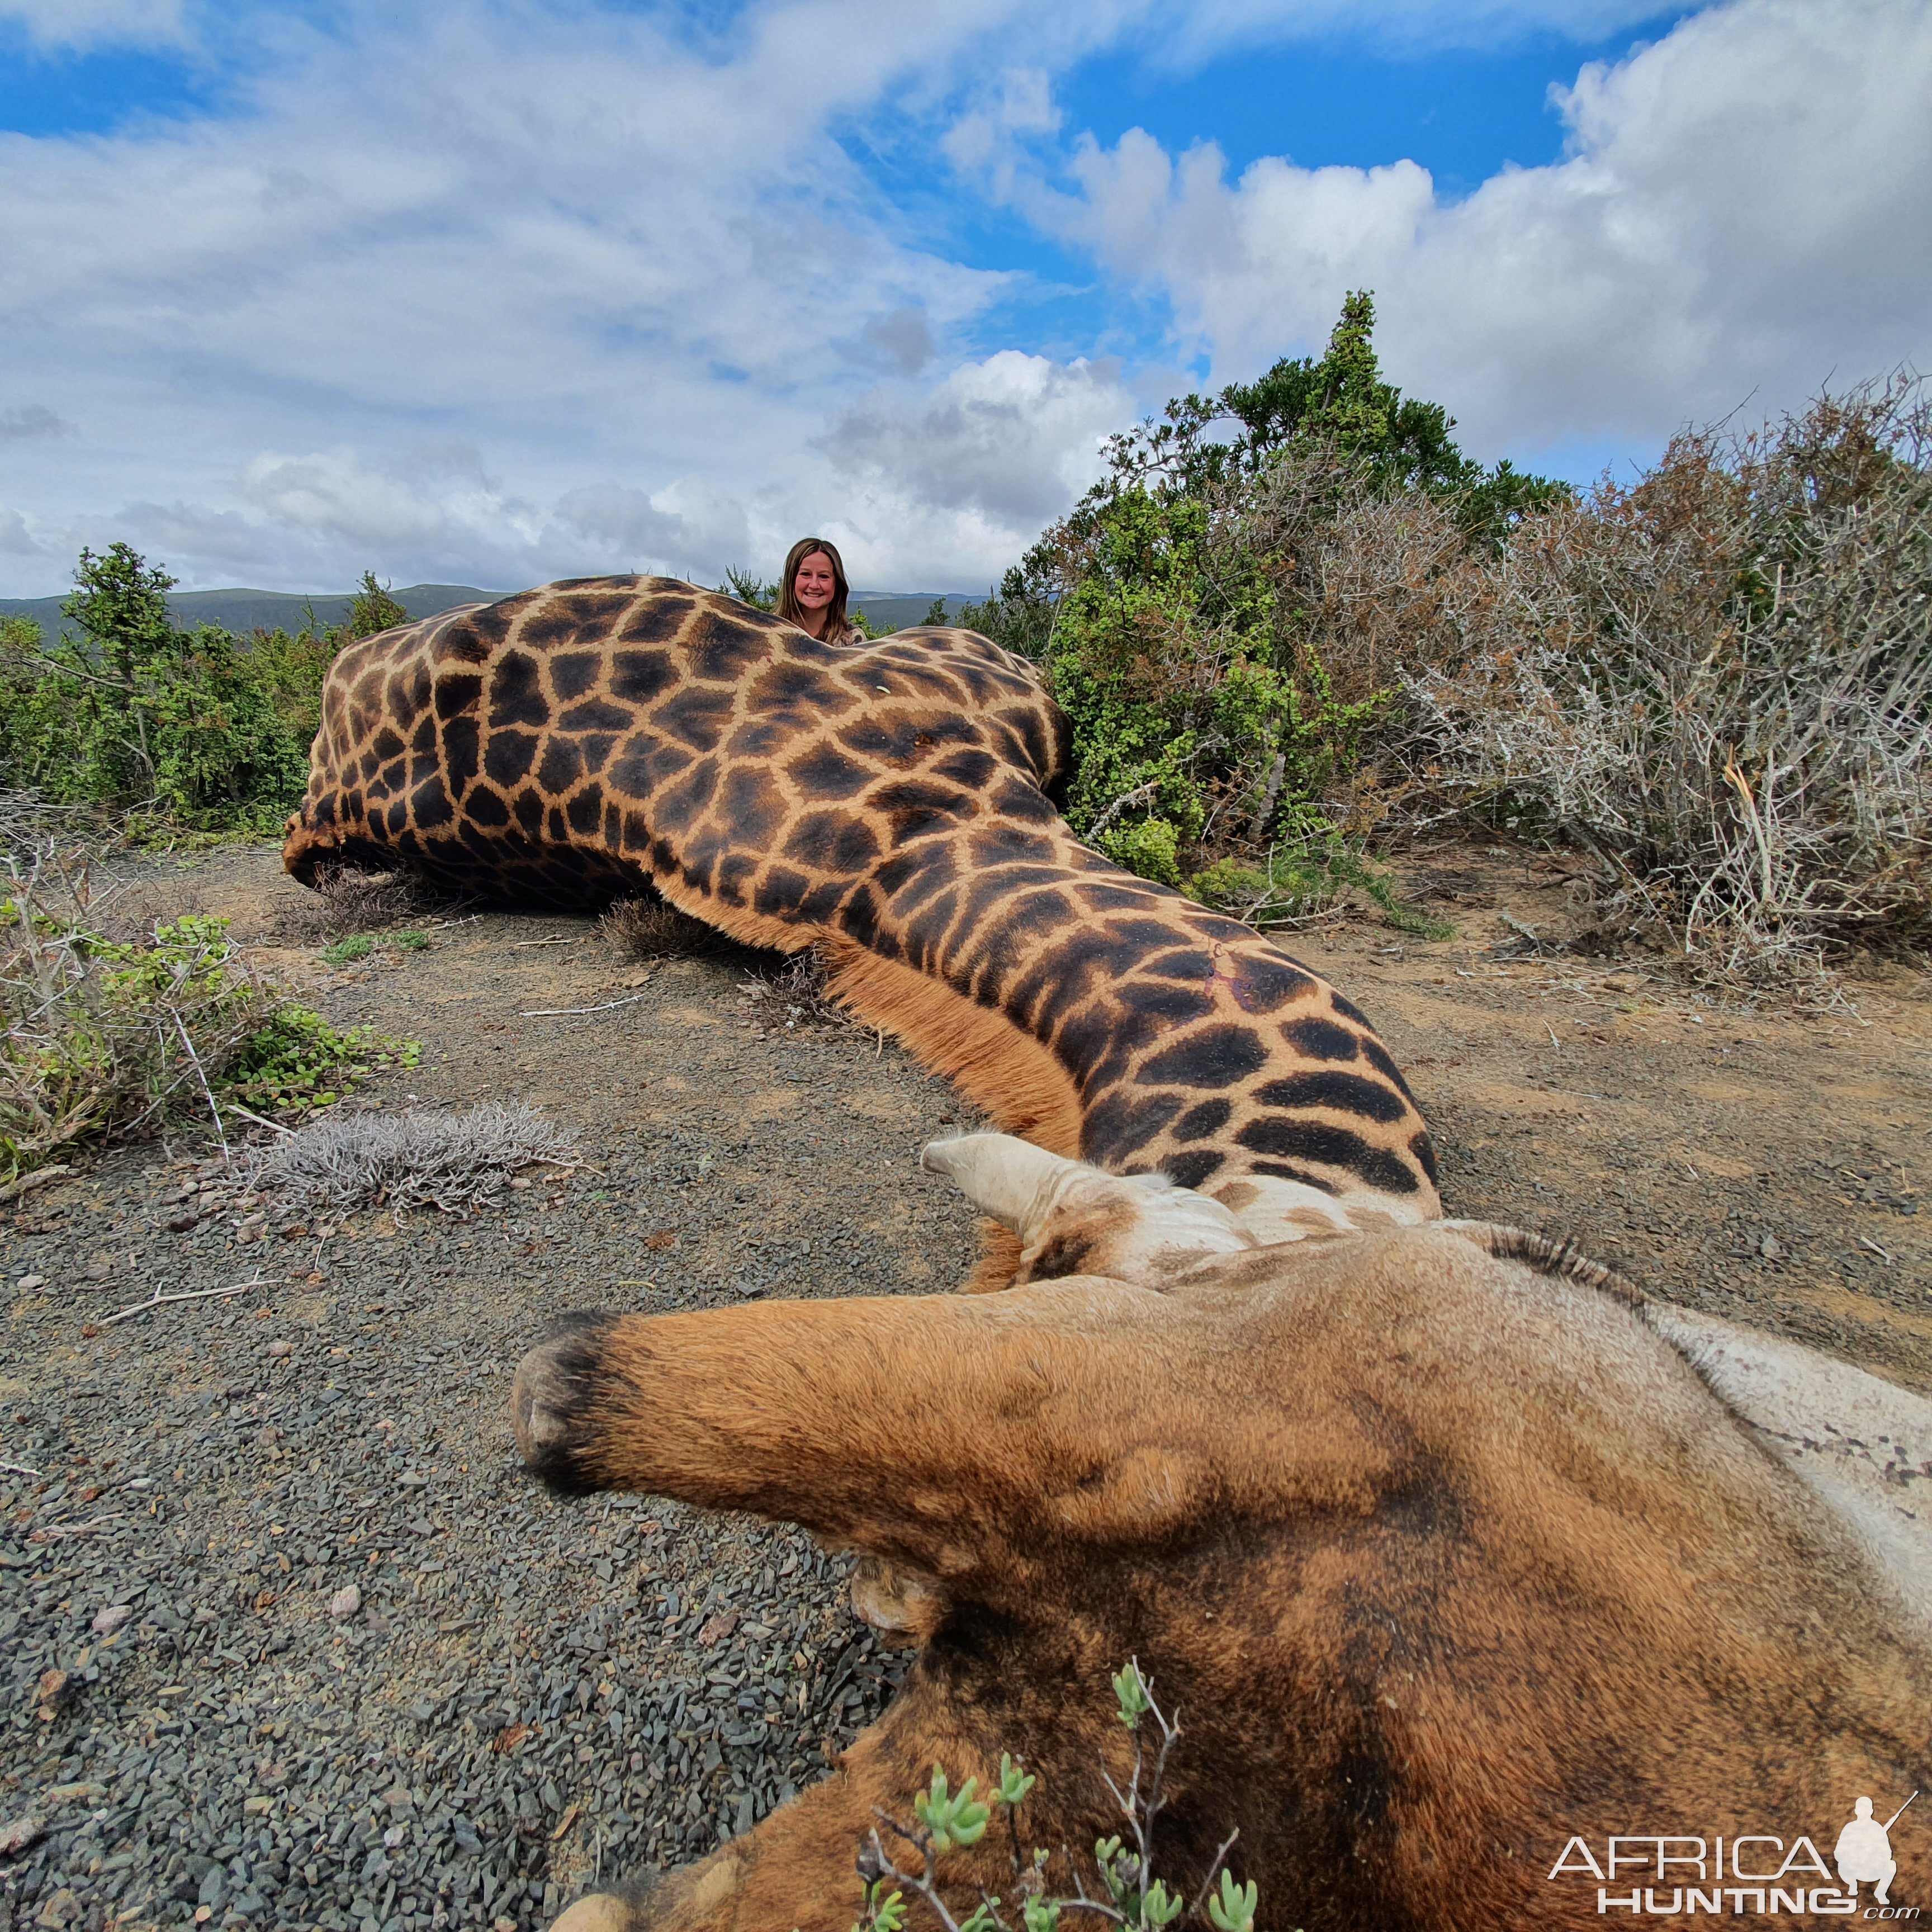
{"x":501,"y":290}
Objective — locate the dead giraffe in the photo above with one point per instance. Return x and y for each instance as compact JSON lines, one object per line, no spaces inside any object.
{"x":891,"y":804}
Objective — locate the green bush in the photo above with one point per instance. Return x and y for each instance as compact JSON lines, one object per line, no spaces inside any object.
{"x":1176,"y":614}
{"x":107,"y":1035}
{"x":208,"y":730}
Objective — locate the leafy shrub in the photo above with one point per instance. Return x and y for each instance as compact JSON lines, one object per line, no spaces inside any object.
{"x":1294,"y":614}
{"x":356,"y":945}
{"x":1175,"y":616}
{"x":207,"y":730}
{"x":106,"y":1035}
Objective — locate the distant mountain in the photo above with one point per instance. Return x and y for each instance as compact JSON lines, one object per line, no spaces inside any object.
{"x":894,"y":609}
{"x":245,"y":610}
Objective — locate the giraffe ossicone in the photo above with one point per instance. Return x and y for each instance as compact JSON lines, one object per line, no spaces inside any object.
{"x":892,"y":804}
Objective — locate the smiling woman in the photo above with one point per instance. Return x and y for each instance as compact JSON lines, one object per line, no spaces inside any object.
{"x":812,"y":593}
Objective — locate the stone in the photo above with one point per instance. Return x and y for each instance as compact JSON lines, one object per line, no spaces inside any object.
{"x":280,"y":1349}
{"x":62,"y":1908}
{"x":345,"y":1603}
{"x":17,"y":1833}
{"x":108,"y":1621}
{"x":28,"y":1282}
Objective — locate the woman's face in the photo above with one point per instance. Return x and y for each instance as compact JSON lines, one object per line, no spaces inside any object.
{"x":815,"y":586}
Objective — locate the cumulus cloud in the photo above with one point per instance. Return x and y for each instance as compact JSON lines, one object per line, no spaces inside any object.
{"x":1745,"y":208}
{"x":15,"y":539}
{"x":1012,"y":439}
{"x":493,"y":290}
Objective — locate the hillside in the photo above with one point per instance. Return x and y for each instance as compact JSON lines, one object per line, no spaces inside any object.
{"x":242,"y":610}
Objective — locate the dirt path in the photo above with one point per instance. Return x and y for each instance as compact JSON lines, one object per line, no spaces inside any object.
{"x":531,"y":1690}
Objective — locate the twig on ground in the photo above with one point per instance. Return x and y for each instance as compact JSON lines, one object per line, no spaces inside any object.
{"x":274,"y":1127}
{"x":18,"y":1469}
{"x":28,"y":1182}
{"x":160,"y":1301}
{"x":560,"y":1012}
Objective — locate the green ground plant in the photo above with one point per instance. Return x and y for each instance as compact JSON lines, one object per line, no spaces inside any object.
{"x":119,"y":1024}
{"x":1127,"y":1891}
{"x":110,"y":1034}
{"x":297,"y":1064}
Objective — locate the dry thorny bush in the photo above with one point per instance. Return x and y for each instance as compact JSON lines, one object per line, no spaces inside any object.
{"x":1717,"y":681}
{"x":786,"y":991}
{"x":650,"y":928}
{"x":115,"y":1018}
{"x":342,"y":901}
{"x":457,"y":1162}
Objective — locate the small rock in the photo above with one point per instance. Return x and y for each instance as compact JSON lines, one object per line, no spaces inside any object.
{"x":100,"y":1267}
{"x":345,"y":1603}
{"x":278,"y":1349}
{"x":18,"y":1834}
{"x":28,"y":1282}
{"x":108,"y":1621}
{"x":719,"y":1627}
{"x":66,"y":1794}
{"x":62,"y":1909}
{"x":55,"y":1688}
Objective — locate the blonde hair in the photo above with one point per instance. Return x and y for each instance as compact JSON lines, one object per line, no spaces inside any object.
{"x":791,"y":609}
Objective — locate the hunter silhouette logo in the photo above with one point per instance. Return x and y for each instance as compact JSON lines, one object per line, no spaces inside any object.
{"x":1754,"y":1875}
{"x":1863,"y":1854}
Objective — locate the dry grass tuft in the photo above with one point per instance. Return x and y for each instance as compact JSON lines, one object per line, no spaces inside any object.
{"x":342,"y":900}
{"x":792,"y":993}
{"x":652,"y":927}
{"x":456,"y":1162}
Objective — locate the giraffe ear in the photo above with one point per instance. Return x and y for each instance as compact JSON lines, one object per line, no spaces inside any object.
{"x":1015,"y":1182}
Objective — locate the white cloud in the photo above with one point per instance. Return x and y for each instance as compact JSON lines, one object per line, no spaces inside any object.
{"x":16,"y":540}
{"x":1746,"y":208}
{"x":75,"y":24}
{"x":497,"y":289}
{"x":1012,"y":439}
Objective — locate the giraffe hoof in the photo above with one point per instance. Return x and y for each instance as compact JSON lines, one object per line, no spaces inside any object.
{"x":551,"y":1399}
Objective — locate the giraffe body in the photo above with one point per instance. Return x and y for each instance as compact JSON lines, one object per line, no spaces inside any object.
{"x":891,"y":804}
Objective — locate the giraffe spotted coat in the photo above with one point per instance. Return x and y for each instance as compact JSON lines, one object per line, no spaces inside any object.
{"x":891,"y":803}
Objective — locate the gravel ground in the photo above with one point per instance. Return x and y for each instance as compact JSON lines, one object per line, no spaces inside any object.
{"x":527,"y":1691}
